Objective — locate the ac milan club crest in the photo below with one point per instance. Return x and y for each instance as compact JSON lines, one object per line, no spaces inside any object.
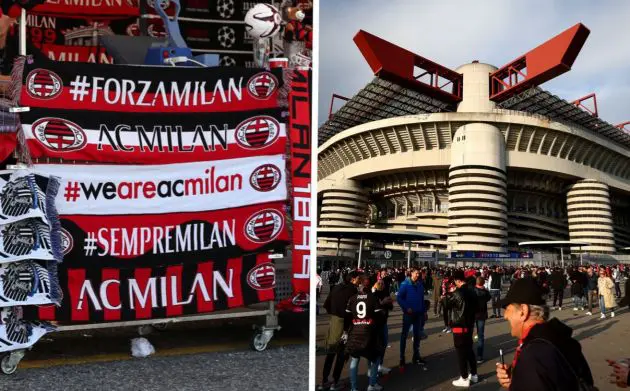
{"x":262,"y":85}
{"x":262,"y":277}
{"x":43,"y":84}
{"x":265,"y":177}
{"x":264,"y":226}
{"x":257,"y":132}
{"x":59,"y":135}
{"x":66,"y":241}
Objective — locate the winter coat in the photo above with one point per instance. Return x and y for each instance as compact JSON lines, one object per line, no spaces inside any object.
{"x":411,"y":295}
{"x":540,"y":367}
{"x":463,"y":303}
{"x":592,"y":282}
{"x":337,"y":301}
{"x":437,"y":286}
{"x":558,"y":281}
{"x":607,"y":289}
{"x":483,"y":297}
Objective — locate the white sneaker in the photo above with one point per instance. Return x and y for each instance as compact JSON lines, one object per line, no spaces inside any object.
{"x":589,"y":313}
{"x":581,"y":308}
{"x":575,"y":308}
{"x":612,"y":314}
{"x":445,"y":329}
{"x":448,"y":331}
{"x":474,"y":379}
{"x":376,"y":387}
{"x":602,"y":316}
{"x":559,"y":308}
{"x":384,"y":370}
{"x":461,"y":382}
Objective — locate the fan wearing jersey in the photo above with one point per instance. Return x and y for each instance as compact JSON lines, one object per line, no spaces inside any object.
{"x":364,"y":338}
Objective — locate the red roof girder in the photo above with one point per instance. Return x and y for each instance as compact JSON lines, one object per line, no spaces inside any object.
{"x":541,"y":64}
{"x":393,"y":63}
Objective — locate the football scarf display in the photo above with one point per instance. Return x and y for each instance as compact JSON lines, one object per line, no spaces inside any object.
{"x":111,"y":137}
{"x":168,"y":188}
{"x":300,"y":163}
{"x":145,"y":89}
{"x":95,"y":294}
{"x":26,"y":283}
{"x":16,"y":333}
{"x":24,"y":195}
{"x":27,"y":239}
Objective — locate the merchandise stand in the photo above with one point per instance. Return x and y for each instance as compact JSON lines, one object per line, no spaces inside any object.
{"x":263,"y":333}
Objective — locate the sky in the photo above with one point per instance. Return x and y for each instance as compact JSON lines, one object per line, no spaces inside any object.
{"x":455,"y":32}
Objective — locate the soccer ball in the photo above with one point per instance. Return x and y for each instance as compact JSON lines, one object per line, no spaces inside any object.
{"x":262,"y":21}
{"x":227,"y":61}
{"x":227,"y":36}
{"x":225,"y":8}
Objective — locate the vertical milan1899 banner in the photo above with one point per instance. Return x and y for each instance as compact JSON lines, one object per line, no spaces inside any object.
{"x":300,"y":150}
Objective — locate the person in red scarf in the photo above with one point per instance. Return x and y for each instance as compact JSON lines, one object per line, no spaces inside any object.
{"x":547,"y":357}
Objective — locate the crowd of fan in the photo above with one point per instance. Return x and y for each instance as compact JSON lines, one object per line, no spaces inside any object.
{"x":359,"y":303}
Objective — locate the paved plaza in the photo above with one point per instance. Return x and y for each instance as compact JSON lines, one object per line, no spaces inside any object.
{"x":600,"y":339}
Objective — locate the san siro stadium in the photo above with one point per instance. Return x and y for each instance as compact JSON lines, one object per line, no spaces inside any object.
{"x":480,"y":157}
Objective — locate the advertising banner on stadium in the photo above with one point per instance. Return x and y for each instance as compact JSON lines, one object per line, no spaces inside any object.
{"x":128,"y":88}
{"x":168,"y":188}
{"x":103,"y":294}
{"x":111,"y":137}
{"x":300,"y":163}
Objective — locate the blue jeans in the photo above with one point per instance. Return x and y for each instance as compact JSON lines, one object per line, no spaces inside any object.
{"x":417,"y":321}
{"x":385,"y":341}
{"x":481,"y":325}
{"x":602,"y":307}
{"x":354,"y":372}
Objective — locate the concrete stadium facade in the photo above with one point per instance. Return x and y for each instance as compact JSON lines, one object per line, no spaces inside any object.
{"x":483,"y":178}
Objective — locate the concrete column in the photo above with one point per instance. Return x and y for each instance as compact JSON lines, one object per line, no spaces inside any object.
{"x":477,"y":214}
{"x":590,"y":216}
{"x":344,"y":205}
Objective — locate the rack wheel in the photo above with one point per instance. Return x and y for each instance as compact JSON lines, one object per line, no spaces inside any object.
{"x":258,"y":342}
{"x":6,"y":366}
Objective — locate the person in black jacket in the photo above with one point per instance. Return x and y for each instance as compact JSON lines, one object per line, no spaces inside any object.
{"x":483,"y":297}
{"x":495,"y":291}
{"x":365,"y":334}
{"x":463,"y":302}
{"x":385,"y":302}
{"x":547,"y":358}
{"x":339,"y":323}
{"x":558,"y":283}
{"x":591,"y":285}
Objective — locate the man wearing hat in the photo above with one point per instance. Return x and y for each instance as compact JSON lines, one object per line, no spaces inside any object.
{"x":547,"y":358}
{"x":463,"y":302}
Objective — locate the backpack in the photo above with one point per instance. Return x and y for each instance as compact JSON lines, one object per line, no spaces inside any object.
{"x":582,"y":385}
